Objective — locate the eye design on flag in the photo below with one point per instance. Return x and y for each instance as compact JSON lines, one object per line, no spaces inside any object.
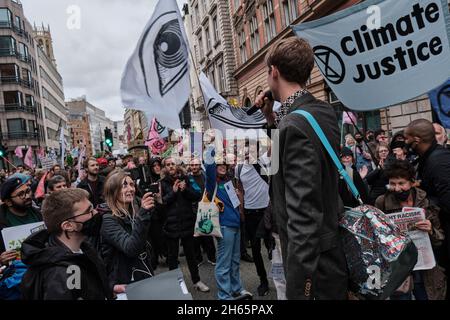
{"x":168,"y":61}
{"x":237,"y":117}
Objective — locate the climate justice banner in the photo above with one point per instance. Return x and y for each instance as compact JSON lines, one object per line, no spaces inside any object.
{"x":371,"y":65}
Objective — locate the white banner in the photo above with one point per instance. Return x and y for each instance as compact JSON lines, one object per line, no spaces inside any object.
{"x":406,"y":221}
{"x":156,"y":77}
{"x":382,"y":52}
{"x":14,"y":236}
{"x":223,"y":116}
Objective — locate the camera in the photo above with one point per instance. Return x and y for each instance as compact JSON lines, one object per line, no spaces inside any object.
{"x":150,"y":187}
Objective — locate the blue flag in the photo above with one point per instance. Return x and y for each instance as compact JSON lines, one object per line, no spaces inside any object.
{"x":440,"y":100}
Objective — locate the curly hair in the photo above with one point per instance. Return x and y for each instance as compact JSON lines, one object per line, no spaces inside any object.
{"x":400,"y":169}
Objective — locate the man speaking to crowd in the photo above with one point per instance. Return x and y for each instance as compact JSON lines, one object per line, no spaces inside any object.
{"x":305,"y":195}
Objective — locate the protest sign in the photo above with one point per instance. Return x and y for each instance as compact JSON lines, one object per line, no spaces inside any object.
{"x":13,"y":237}
{"x":47,"y":163}
{"x":371,"y":67}
{"x":406,"y":221}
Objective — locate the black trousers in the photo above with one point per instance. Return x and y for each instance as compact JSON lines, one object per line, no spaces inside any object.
{"x":243,"y":238}
{"x":252,"y":220}
{"x":158,"y":242}
{"x":208,"y":246}
{"x":173,"y":245}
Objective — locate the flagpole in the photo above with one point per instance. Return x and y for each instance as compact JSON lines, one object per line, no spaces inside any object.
{"x":199,"y":85}
{"x":9,"y":162}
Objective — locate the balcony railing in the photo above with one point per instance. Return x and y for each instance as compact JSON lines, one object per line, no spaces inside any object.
{"x":11,"y":52}
{"x":18,"y":108}
{"x":17,"y":80}
{"x":21,"y":135}
{"x":8,"y":25}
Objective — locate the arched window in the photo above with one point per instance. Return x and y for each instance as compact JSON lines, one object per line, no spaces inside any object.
{"x":247,"y":103}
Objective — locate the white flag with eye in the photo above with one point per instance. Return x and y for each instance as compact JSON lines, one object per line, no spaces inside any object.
{"x":156,"y":77}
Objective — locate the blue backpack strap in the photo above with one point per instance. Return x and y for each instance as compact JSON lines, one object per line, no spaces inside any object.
{"x":331,"y":152}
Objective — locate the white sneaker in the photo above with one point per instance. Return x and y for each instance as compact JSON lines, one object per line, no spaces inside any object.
{"x":211,"y":262}
{"x":200,"y":286}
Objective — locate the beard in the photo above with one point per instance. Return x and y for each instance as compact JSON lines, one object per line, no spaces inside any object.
{"x":22,"y":207}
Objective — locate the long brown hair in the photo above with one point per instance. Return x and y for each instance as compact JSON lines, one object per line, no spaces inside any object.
{"x":112,"y":192}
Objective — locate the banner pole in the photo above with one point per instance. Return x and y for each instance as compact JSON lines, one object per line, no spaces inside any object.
{"x":9,"y":162}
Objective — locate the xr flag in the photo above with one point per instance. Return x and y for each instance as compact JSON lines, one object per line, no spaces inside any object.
{"x":156,"y":77}
{"x":154,"y":140}
{"x":29,"y":158}
{"x":18,"y":152}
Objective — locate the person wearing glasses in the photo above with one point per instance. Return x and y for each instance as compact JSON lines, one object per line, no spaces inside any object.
{"x":16,"y":210}
{"x":61,"y":264}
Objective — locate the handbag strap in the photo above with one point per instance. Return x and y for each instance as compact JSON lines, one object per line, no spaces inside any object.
{"x":343,"y":173}
{"x":214,"y":195}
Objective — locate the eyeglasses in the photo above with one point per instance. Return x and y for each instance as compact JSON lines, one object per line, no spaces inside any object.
{"x":89,"y":210}
{"x":23,"y":194}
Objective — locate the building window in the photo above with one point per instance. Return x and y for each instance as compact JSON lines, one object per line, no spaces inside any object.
{"x":16,"y":125}
{"x":208,"y":39}
{"x":269,"y":21}
{"x":242,"y":48}
{"x":5,"y":18}
{"x":222,"y":84}
{"x":8,"y":46}
{"x":237,"y":3}
{"x":196,"y":13}
{"x":254,"y":35}
{"x":9,"y":73}
{"x":18,"y":23}
{"x":31,"y":126}
{"x":29,"y":100}
{"x":290,"y":11}
{"x":12,"y":98}
{"x":23,"y":51}
{"x":215,"y":30}
{"x":212,"y":76}
{"x":200,"y":46}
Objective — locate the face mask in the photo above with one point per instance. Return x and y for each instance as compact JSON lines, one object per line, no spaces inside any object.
{"x":403,"y":195}
{"x":359,"y":140}
{"x":92,"y":226}
{"x":370,"y":137}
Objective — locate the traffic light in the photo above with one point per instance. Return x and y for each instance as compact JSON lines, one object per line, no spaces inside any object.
{"x":109,"y":141}
{"x":2,"y":151}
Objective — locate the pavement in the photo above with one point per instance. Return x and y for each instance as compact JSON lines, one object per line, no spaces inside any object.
{"x":249,"y":278}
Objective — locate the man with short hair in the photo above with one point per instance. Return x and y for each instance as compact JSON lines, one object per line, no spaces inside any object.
{"x":93,"y":183}
{"x":56,"y":183}
{"x":433,"y":173}
{"x":62,"y":266}
{"x":16,"y":210}
{"x":305,"y":197}
{"x":142,"y":161}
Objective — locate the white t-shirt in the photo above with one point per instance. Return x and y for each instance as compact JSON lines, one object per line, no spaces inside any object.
{"x":256,"y":190}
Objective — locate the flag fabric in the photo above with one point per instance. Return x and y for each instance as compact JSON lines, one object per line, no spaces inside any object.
{"x":18,"y":152}
{"x":348,"y":117}
{"x":41,"y":153}
{"x":75,"y":152}
{"x":80,"y":160}
{"x":440,"y":100}
{"x":156,"y":77}
{"x":370,"y":65}
{"x":62,"y":143}
{"x":154,"y":140}
{"x":28,"y":160}
{"x":223,"y":116}
{"x":40,"y":190}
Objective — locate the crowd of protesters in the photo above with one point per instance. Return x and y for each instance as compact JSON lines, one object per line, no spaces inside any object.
{"x":119,"y":220}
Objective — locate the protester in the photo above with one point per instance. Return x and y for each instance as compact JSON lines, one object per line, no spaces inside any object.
{"x":59,"y":253}
{"x":253,"y":181}
{"x":227,"y":270}
{"x":357,"y":177}
{"x":197,"y":181}
{"x":399,"y":150}
{"x":94,"y":182}
{"x":56,"y":183}
{"x":434,"y":175}
{"x":362,"y":154}
{"x":124,"y":231}
{"x":305,"y":188}
{"x":178,"y":195}
{"x":377,"y":179}
{"x":426,"y":284}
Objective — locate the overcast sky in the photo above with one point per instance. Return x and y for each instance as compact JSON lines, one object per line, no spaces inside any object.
{"x":91,"y":60}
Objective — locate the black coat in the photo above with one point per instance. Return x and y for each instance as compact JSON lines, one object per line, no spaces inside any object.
{"x":347,"y":196}
{"x":306,"y":204}
{"x":48,"y":273}
{"x":180,"y":217}
{"x":377,"y":181}
{"x":125,"y":247}
{"x":434,"y":176}
{"x":95,"y":196}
